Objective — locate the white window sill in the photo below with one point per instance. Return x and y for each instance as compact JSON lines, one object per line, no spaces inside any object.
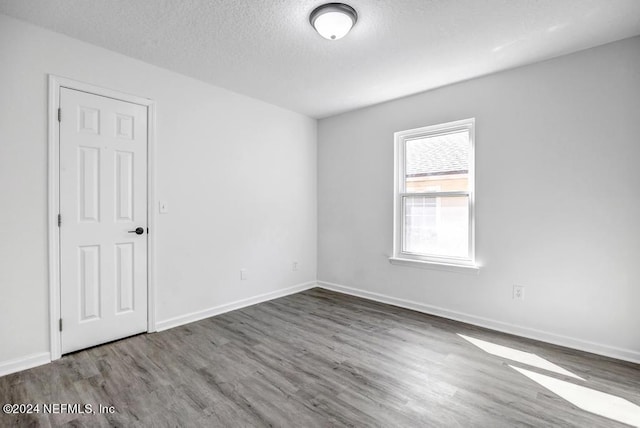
{"x":450,"y":267}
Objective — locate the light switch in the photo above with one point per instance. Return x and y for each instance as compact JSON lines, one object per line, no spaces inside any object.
{"x":164,"y":207}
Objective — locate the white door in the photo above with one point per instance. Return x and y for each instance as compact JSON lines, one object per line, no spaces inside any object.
{"x":103,"y":198}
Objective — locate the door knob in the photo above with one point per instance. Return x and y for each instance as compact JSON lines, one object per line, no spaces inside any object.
{"x":138,"y":231}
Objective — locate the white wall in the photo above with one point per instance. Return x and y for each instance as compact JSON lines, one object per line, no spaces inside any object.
{"x":239,"y":176}
{"x":558,"y":206}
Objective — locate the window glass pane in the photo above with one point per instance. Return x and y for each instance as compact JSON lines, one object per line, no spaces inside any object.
{"x":438,"y":163}
{"x":436,"y":226}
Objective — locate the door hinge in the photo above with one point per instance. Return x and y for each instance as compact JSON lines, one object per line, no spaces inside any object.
{"x":60,"y":324}
{"x":59,"y":115}
{"x":59,"y":220}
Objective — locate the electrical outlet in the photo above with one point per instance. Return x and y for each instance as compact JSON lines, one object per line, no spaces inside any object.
{"x":294,"y":266}
{"x":518,"y":292}
{"x":244,"y":275}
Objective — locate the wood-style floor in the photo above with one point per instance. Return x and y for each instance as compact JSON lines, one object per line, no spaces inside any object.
{"x":315,"y":359}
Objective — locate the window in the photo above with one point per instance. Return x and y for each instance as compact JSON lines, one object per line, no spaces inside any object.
{"x":434,"y":197}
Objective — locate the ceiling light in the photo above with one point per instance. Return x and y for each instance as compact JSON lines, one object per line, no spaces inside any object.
{"x":333,"y":20}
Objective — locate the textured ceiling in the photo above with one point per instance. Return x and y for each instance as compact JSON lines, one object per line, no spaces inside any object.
{"x":266,"y":48}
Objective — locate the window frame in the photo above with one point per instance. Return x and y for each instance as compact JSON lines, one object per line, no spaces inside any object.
{"x":399,"y":194}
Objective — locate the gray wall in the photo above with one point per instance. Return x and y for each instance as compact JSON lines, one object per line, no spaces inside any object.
{"x":239,"y":176}
{"x":557,"y":155}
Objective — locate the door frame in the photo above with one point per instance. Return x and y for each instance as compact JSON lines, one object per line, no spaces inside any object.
{"x":55,"y":84}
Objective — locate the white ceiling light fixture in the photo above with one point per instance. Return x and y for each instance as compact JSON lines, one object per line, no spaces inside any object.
{"x":333,"y":20}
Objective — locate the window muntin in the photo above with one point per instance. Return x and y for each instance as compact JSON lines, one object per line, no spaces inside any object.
{"x":434,"y":194}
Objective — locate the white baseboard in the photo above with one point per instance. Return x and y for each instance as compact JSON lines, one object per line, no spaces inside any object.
{"x":23,"y":363}
{"x":221,"y":309}
{"x":531,"y":333}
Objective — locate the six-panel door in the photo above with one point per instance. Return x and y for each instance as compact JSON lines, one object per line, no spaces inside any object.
{"x":103,"y":196}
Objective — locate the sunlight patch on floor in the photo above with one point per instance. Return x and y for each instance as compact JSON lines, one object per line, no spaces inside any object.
{"x":520,"y":356}
{"x":599,"y":403}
